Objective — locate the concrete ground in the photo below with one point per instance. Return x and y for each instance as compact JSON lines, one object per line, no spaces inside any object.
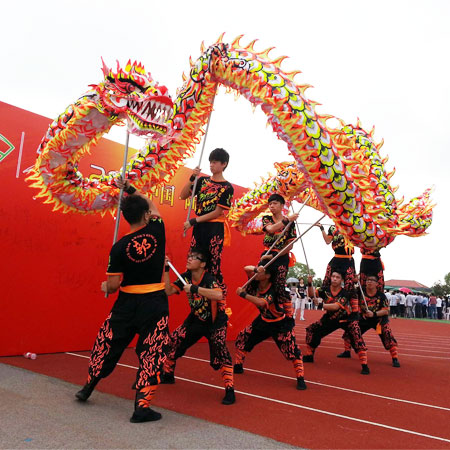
{"x":41,"y":412}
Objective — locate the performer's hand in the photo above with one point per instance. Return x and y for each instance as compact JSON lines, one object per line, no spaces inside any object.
{"x":186,"y":226}
{"x":292,"y":217}
{"x":121,"y":184}
{"x":104,"y":287}
{"x":239,"y":290}
{"x":368,"y":313}
{"x":196,"y":172}
{"x":187,"y":288}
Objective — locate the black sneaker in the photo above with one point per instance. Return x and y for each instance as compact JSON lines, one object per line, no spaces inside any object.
{"x":301,"y":386}
{"x":83,"y":394}
{"x":345,"y":354}
{"x":145,"y":415}
{"x":167,"y":378}
{"x":229,"y":398}
{"x":238,"y":368}
{"x":365,"y":369}
{"x":395,"y":362}
{"x":308,"y":358}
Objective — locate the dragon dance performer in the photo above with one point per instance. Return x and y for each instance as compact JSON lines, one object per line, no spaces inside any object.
{"x":342,"y":261}
{"x":206,"y":319}
{"x":213,"y":197}
{"x":273,"y":226}
{"x":376,"y":317}
{"x":135,"y":268}
{"x":341,"y":311}
{"x":371,"y":264}
{"x":271,"y":322}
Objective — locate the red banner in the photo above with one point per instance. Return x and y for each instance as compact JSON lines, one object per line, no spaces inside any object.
{"x":53,"y":263}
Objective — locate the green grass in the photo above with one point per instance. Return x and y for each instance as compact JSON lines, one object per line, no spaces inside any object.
{"x":426,"y":320}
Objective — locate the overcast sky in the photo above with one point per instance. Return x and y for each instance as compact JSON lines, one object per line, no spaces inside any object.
{"x":386,"y":62}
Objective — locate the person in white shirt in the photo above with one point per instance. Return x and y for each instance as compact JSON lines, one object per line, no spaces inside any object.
{"x":410,"y":299}
{"x":392,"y":304}
{"x":401,"y":304}
{"x":439,"y":307}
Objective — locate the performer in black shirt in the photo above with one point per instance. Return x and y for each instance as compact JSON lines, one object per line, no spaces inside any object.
{"x":376,"y":317}
{"x":341,"y":311}
{"x":135,"y":268}
{"x":213,"y":197}
{"x":271,"y":322}
{"x":273,"y":226}
{"x":206,"y":319}
{"x":342,"y":261}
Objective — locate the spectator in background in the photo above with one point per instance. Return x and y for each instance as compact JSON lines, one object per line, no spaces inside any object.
{"x":410,"y":298}
{"x":424,"y":306}
{"x":432,"y":307}
{"x":401,"y":304}
{"x":392,"y":298}
{"x":418,"y":306}
{"x":439,"y":307}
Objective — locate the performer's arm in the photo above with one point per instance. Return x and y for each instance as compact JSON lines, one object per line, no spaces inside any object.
{"x":170,"y":288}
{"x":260,"y":303}
{"x":186,"y":192}
{"x":205,"y":218}
{"x":211,"y":294}
{"x":277,"y":226}
{"x":111,"y":284}
{"x":332,"y":306}
{"x":326,"y":237}
{"x":130,"y":190}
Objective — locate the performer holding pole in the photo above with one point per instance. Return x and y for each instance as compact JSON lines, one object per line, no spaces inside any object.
{"x":271,"y":322}
{"x":376,"y":316}
{"x":204,"y":320}
{"x":278,"y":242}
{"x":213,"y":197}
{"x":135,"y":268}
{"x":342,"y":261}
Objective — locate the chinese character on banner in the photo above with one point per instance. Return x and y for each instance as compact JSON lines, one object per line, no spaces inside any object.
{"x":167,"y":195}
{"x":187,"y":202}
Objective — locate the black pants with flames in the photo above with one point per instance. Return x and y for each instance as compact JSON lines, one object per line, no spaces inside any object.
{"x":146,"y":315}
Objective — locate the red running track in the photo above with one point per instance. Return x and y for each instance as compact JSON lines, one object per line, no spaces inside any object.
{"x":392,"y":408}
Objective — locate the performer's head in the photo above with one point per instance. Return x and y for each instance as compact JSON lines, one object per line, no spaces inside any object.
{"x":135,"y":209}
{"x":371,"y":283}
{"x":268,"y":273}
{"x":276,"y":203}
{"x":336,"y":278}
{"x":218,"y":160}
{"x":197,"y":259}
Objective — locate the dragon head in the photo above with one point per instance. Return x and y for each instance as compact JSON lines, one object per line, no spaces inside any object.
{"x":133,"y":94}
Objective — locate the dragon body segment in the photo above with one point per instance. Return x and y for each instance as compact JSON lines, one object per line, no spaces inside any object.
{"x":339,"y":168}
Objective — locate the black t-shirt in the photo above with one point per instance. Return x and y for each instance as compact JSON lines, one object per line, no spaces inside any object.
{"x":210,"y":194}
{"x":200,"y":306}
{"x":139,"y":256}
{"x":274,"y":311}
{"x":376,"y":303}
{"x":269,"y":239}
{"x":338,"y":242}
{"x":345,"y":300}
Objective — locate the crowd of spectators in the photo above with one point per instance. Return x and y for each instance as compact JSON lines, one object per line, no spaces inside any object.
{"x":418,"y":305}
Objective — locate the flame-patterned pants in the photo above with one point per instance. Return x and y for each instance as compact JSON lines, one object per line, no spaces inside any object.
{"x":281,"y":332}
{"x":193,"y":329}
{"x":147,"y":316}
{"x":345,"y":266}
{"x":386,"y":336}
{"x":209,"y":237}
{"x":280,"y":268}
{"x":325,"y":326}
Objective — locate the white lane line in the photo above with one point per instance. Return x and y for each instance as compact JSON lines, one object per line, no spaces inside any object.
{"x":401,"y":354}
{"x":295,"y":405}
{"x":336,"y":387}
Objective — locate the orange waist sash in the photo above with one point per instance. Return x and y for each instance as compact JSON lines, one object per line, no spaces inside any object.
{"x":142,"y":288}
{"x":226,"y":230}
{"x":343,"y":256}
